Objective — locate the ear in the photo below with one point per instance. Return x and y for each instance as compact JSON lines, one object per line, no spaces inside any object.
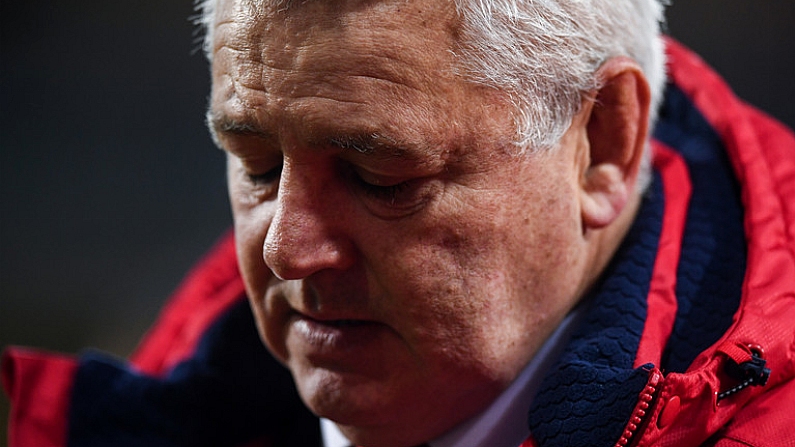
{"x":617,"y":126}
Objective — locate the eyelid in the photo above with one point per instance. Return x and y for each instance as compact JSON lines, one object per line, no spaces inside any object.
{"x":269,"y":176}
{"x":378,"y":179}
{"x":391,"y":197}
{"x":260,"y":176}
{"x":247,"y":146}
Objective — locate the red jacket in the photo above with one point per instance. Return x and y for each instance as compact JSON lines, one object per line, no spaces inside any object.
{"x":689,"y":408}
{"x":689,"y":337}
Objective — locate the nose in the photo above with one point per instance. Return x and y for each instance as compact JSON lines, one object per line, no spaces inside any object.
{"x":308,"y":231}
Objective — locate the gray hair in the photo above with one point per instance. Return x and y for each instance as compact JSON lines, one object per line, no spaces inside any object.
{"x":544,"y":53}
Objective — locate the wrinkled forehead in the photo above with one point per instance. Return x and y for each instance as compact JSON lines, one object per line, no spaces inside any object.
{"x":256,"y":9}
{"x":252,"y":20}
{"x":275,"y":45}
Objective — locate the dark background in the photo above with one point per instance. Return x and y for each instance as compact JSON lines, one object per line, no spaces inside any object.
{"x":111,"y":188}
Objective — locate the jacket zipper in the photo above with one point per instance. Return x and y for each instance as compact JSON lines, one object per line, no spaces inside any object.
{"x":641,"y":412}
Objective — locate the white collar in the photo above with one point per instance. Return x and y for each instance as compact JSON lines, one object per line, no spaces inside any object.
{"x":504,"y":422}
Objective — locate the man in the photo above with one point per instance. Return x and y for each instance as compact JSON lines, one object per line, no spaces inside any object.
{"x":445,"y":215}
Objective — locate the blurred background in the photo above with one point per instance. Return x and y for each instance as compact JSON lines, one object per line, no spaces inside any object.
{"x":110,"y":188}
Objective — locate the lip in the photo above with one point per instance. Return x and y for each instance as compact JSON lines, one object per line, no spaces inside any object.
{"x":333,"y":338}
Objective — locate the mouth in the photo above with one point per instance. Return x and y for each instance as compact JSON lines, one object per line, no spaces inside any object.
{"x":331,"y":336}
{"x":343,"y":323}
{"x":335,"y":319}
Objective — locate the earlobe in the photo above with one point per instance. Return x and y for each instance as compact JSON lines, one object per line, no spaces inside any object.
{"x":605,"y":193}
{"x":617,"y":129}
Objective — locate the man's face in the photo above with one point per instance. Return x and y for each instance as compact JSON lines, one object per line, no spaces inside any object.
{"x":400,"y":261}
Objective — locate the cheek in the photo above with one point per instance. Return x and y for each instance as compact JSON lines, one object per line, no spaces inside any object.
{"x":252,"y":218}
{"x":444,"y":290}
{"x":251,"y":225}
{"x":483,"y":292}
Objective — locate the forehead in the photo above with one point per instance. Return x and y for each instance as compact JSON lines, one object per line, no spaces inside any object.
{"x":373,"y":59}
{"x":275,"y":30}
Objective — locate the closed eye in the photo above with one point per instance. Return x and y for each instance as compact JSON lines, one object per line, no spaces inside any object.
{"x":265,"y":178}
{"x":390,"y":194}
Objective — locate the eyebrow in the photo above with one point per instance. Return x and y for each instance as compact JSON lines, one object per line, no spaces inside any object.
{"x":365,"y":143}
{"x":369,"y":143}
{"x":219,"y":123}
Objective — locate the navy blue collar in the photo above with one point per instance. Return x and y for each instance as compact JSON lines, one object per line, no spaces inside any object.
{"x":588,"y":397}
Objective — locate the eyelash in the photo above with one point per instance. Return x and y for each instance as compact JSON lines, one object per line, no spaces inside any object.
{"x":387,"y":194}
{"x":390,"y":194}
{"x":265,"y":178}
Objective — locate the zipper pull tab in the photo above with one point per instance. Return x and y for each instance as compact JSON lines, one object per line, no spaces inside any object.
{"x":749,"y":372}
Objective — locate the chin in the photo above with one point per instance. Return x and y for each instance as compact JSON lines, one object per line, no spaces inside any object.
{"x":364,"y":409}
{"x":374,"y":412}
{"x":345,"y":398}
{"x":385,"y":436}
